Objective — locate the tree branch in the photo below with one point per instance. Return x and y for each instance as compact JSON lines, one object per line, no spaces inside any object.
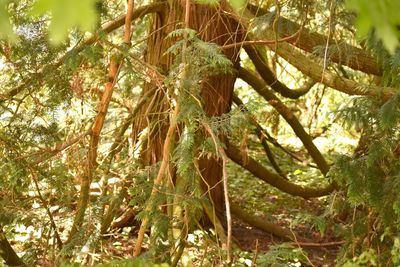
{"x":317,"y":72}
{"x":274,"y":179}
{"x":108,"y":27}
{"x":158,"y":180}
{"x":266,"y":226}
{"x":7,"y":252}
{"x":46,"y":153}
{"x":288,"y":115}
{"x":267,"y":75}
{"x":116,"y":98}
{"x":339,"y":51}
{"x":91,"y":156}
{"x":311,"y":68}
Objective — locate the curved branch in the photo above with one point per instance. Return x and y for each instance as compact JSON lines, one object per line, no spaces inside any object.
{"x":288,"y":115}
{"x":267,"y":75}
{"x":339,"y":51}
{"x":274,"y":179}
{"x":312,"y":69}
{"x":317,"y":72}
{"x":266,"y":226}
{"x":91,"y":157}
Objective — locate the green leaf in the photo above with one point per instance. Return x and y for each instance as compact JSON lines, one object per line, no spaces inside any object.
{"x":238,"y":5}
{"x":66,"y":14}
{"x":379,"y":15}
{"x":211,"y":3}
{"x":388,"y":113}
{"x":6,"y":30}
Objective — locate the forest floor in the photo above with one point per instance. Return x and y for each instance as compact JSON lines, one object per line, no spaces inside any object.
{"x":254,"y":247}
{"x":322,"y":252}
{"x":258,"y":241}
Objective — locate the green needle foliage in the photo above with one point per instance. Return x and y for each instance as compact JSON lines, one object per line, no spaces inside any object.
{"x":52,"y":87}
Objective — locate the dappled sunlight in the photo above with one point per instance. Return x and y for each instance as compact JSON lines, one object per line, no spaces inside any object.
{"x":199,"y":133}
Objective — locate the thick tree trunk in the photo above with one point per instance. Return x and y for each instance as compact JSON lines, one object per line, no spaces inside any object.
{"x":213,"y":25}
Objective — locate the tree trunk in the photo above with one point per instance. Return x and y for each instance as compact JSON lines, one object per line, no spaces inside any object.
{"x":216,"y":91}
{"x":213,"y":25}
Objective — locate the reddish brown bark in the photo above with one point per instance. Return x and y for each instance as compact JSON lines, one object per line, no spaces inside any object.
{"x":155,"y":108}
{"x":215,"y":26}
{"x":212,"y":25}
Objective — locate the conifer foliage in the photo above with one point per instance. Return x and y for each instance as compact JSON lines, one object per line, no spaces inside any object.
{"x":137,"y":133}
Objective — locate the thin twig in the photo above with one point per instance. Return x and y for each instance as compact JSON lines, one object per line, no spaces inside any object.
{"x":158,"y":180}
{"x":254,"y":262}
{"x":227,"y":205}
{"x":47,"y":153}
{"x":266,"y":135}
{"x":46,"y":207}
{"x":296,"y":242}
{"x":222,"y":154}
